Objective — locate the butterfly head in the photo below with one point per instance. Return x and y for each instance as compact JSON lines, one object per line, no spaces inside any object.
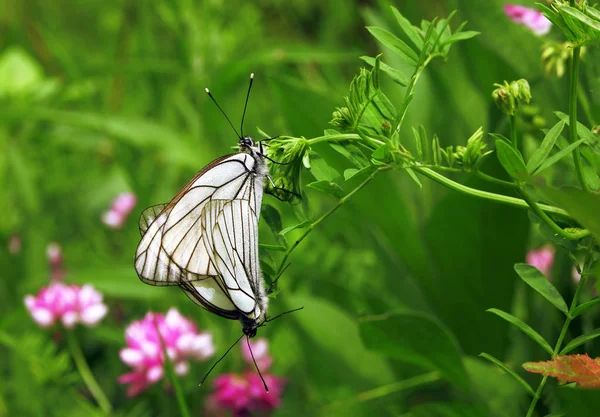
{"x":250,"y":326}
{"x":246,"y":142}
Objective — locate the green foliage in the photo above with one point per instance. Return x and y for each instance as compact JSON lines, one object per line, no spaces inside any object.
{"x":579,"y":22}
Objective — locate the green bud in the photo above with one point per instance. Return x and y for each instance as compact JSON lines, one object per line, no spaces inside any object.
{"x":508,"y":96}
{"x":469,"y":157}
{"x":342,"y":119}
{"x":289,"y":154}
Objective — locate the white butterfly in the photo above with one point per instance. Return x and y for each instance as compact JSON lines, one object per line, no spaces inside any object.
{"x":205,"y":240}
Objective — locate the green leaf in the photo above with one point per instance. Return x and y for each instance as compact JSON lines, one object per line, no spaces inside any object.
{"x":545,"y":147}
{"x":277,"y":248}
{"x":558,"y":156}
{"x":509,"y":372}
{"x":538,"y":281}
{"x":333,"y":330}
{"x":409,"y":30}
{"x":584,"y":307}
{"x":395,"y":44}
{"x":525,"y":328}
{"x":382,"y":154}
{"x":297,"y":226}
{"x":321,"y":169}
{"x":272,"y":217}
{"x":327,"y":187}
{"x":584,"y":207}
{"x":511,"y":160}
{"x":499,"y":136}
{"x":460,"y":36}
{"x":352,"y":153}
{"x":397,"y":76}
{"x":581,"y":17}
{"x":419,"y":339}
{"x":413,"y":176}
{"x":578,"y":341}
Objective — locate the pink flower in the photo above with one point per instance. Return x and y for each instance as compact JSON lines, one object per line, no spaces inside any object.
{"x":260,"y":349}
{"x":245,"y":394}
{"x":68,"y":304}
{"x":534,"y":20}
{"x":242,"y":395}
{"x":144,"y":351}
{"x":119,"y":210}
{"x":14,"y":244}
{"x":542,"y":259}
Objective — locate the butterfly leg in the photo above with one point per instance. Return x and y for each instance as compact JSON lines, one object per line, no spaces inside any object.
{"x":280,"y":189}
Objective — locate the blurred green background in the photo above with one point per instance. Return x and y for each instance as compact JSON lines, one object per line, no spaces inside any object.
{"x":101,"y":97}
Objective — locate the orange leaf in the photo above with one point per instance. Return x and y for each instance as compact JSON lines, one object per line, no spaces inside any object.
{"x":581,"y":369}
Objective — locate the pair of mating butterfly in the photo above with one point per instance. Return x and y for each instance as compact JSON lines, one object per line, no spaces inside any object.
{"x":205,"y":240}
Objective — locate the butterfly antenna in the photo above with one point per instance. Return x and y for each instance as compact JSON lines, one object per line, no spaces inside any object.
{"x":255,"y":365}
{"x":222,"y":111}
{"x":284,"y":313}
{"x":220,"y":359}
{"x":246,"y":103}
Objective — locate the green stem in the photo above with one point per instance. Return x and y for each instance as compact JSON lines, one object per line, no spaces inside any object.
{"x":536,"y":209}
{"x":86,"y":373}
{"x":498,"y":198}
{"x":183,"y":408}
{"x":557,"y":347}
{"x":514,"y":138}
{"x":326,"y":215}
{"x":410,"y":92}
{"x":495,"y":180}
{"x":584,"y":102}
{"x":339,"y":137}
{"x":573,"y":137}
{"x":388,"y":389}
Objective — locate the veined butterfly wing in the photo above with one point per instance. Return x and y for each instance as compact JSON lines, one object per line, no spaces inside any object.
{"x":191,"y":242}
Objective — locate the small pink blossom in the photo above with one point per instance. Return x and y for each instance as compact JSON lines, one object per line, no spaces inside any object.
{"x":542,"y":259}
{"x":119,"y":210}
{"x":68,"y":304}
{"x":55,"y":260}
{"x":144,"y":351}
{"x":576,"y":276}
{"x":242,"y":395}
{"x":260,"y":349}
{"x":14,"y":244}
{"x":531,"y":18}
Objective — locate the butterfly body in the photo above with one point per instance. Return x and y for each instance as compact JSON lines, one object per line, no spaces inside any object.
{"x":205,"y":240}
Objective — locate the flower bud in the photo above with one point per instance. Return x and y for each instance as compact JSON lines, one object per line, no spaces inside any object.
{"x":508,"y":96}
{"x":341,"y":119}
{"x":289,"y":155}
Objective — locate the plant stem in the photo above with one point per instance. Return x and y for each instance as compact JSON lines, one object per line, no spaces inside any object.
{"x":499,"y":198}
{"x":410,"y":92}
{"x":584,"y":102}
{"x":495,"y":180}
{"x":388,"y":389}
{"x":561,"y":337}
{"x":324,"y":216}
{"x":86,"y":373}
{"x":453,"y":185}
{"x":514,"y":138}
{"x":536,"y":209}
{"x":340,"y":136}
{"x":183,"y":408}
{"x":573,"y":115}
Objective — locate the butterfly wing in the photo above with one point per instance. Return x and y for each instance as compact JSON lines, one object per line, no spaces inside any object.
{"x":230,"y":234}
{"x":172,"y":249}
